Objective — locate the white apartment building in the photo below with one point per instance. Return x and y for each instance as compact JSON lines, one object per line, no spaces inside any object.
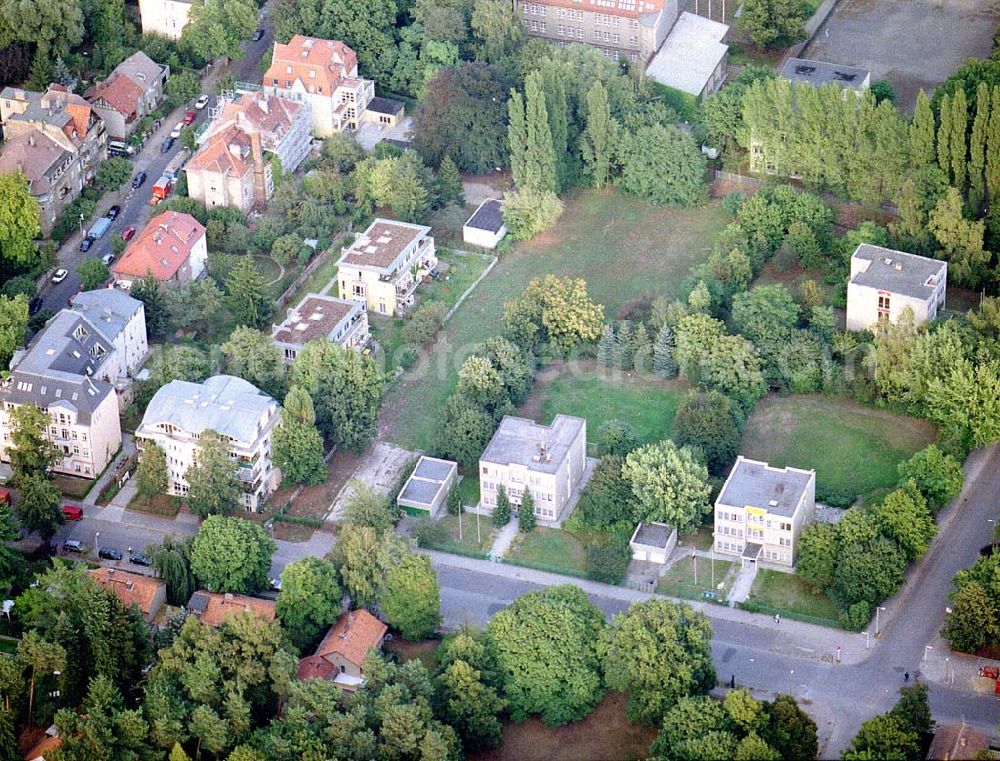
{"x":884,"y":282}
{"x":69,"y":370}
{"x":324,"y":75}
{"x":283,"y":124}
{"x":547,"y":460}
{"x":165,"y":17}
{"x":339,"y":321}
{"x":760,"y":512}
{"x":384,"y":265}
{"x":235,"y":409}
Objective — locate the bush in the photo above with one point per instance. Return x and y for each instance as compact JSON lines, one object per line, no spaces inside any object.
{"x":406,"y":357}
{"x":527,"y":213}
{"x":428,"y":532}
{"x":856,"y":617}
{"x":424,"y":323}
{"x":69,"y":221}
{"x":617,"y":438}
{"x":607,"y":560}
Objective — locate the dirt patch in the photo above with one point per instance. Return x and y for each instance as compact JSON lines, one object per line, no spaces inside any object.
{"x":603,"y":735}
{"x":381,"y":467}
{"x":291,"y":532}
{"x":315,"y":501}
{"x":424,"y":651}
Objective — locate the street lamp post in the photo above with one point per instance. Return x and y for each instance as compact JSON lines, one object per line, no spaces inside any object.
{"x":81,"y":222}
{"x":993,"y":533}
{"x":877,"y":610}
{"x":866,"y":639}
{"x":97,"y":541}
{"x":927,"y":651}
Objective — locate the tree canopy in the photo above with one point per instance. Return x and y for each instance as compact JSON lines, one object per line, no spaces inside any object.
{"x":231,"y":555}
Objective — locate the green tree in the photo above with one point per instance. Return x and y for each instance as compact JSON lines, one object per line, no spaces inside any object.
{"x":252,"y":355}
{"x":972,"y":622}
{"x":13,"y":325}
{"x":214,"y":484}
{"x":605,"y":345}
{"x":37,"y":507}
{"x":622,"y":352}
{"x":790,"y":730}
{"x":182,"y":87}
{"x":670,"y":485}
{"x":113,"y":173}
{"x":297,"y":445}
{"x":712,"y":423}
{"x":977,"y":148}
{"x":103,"y":722}
{"x":502,"y":511}
{"x":231,"y":555}
{"x":42,"y":657}
{"x":93,"y":274}
{"x":216,"y":28}
{"x":147,"y":290}
{"x":553,"y":309}
{"x":526,"y":513}
{"x":546,"y":649}
{"x":192,"y":306}
{"x":449,"y":183}
{"x":533,"y":159}
{"x":883,"y":737}
{"x":937,"y":475}
{"x":528,"y":212}
{"x":664,"y":363}
{"x":554,"y":88}
{"x":772,"y":23}
{"x":692,"y":718}
{"x":607,"y":498}
{"x":245,"y":294}
{"x":411,"y":600}
{"x":657,"y":652}
{"x":944,"y":135}
{"x":31,"y":453}
{"x":454,"y":501}
{"x":617,"y":438}
{"x":54,"y":26}
{"x":498,"y":29}
{"x":662,"y":164}
{"x":993,"y":147}
{"x":965,"y":403}
{"x":764,"y":311}
{"x":151,"y":474}
{"x":346,"y":388}
{"x":309,"y":601}
{"x":19,"y":216}
{"x":904,"y":518}
{"x":598,"y":136}
{"x":364,"y":556}
{"x":172,"y":561}
{"x":868,"y":572}
{"x":467,"y":703}
{"x":817,"y":561}
{"x":465,"y":431}
{"x":957,"y":142}
{"x":367,"y":507}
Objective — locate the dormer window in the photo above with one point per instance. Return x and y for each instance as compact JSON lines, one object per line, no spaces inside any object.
{"x":80,"y":333}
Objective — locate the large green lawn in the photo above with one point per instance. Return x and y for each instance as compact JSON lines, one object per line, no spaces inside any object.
{"x":624,"y":248}
{"x":854,"y":449}
{"x":599,"y":394}
{"x":787,"y":594}
{"x":550,"y":547}
{"x":689,"y":578}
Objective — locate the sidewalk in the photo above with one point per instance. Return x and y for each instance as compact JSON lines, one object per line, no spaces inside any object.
{"x":504,"y":539}
{"x":810,"y":641}
{"x":127,"y":450}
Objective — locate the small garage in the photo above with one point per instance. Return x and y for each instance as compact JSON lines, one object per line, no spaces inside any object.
{"x":485,"y":228}
{"x":426,"y":490}
{"x":653,"y":542}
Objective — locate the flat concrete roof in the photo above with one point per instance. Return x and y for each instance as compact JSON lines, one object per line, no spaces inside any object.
{"x":426,"y":483}
{"x":519,"y":441}
{"x":690,"y":54}
{"x":652,"y":535}
{"x":434,"y":469}
{"x":818,"y":73}
{"x":898,"y":271}
{"x":757,"y":484}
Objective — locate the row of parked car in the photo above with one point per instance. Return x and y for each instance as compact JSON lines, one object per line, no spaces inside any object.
{"x":107,"y":553}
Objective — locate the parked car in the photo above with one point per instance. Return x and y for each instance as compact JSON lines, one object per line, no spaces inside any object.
{"x":86,"y":243}
{"x":5,"y":498}
{"x":72,"y":512}
{"x":72,"y":545}
{"x":258,"y":35}
{"x":189,"y":117}
{"x":176,"y":131}
{"x":138,"y":180}
{"x":167,"y":144}
{"x":114,"y":211}
{"x":128,"y":232}
{"x":35,"y":305}
{"x":60,"y":274}
{"x":201,"y":102}
{"x":108,"y":258}
{"x":110,"y":553}
{"x":139,"y":559}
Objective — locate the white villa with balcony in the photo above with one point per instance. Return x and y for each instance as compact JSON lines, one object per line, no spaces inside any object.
{"x":235,"y":409}
{"x":340,"y":321}
{"x":384,"y":265}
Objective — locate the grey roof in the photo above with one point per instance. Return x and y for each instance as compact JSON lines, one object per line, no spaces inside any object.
{"x":434,"y":469}
{"x":820,"y":72}
{"x":57,"y":368}
{"x":107,"y":309}
{"x":519,"y":441}
{"x":690,"y":55}
{"x":421,"y":491}
{"x":385,"y":106}
{"x":898,"y":271}
{"x":489,"y":216}
{"x":225,"y":404}
{"x":652,"y":535}
{"x":757,"y":484}
{"x":198,"y":602}
{"x":424,"y":486}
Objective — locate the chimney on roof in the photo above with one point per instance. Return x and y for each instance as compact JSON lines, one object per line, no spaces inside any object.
{"x":264,"y":103}
{"x":31,"y":139}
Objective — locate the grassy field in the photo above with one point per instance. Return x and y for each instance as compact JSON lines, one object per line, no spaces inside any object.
{"x":853,"y":449}
{"x":786,"y":593}
{"x":604,"y":734}
{"x":679,"y":581}
{"x":550,"y":546}
{"x":702,"y":538}
{"x":326,"y":272}
{"x":599,"y":394}
{"x":468,"y":489}
{"x":625,"y":249}
{"x":468,"y":541}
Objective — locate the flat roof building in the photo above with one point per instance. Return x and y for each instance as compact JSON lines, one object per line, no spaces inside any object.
{"x":816,"y":73}
{"x":884,"y":282}
{"x":693,"y":58}
{"x":426,"y":490}
{"x":316,"y":317}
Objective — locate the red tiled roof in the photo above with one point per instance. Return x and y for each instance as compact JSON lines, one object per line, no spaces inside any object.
{"x":161,"y":248}
{"x":354,"y":634}
{"x":328,"y":61}
{"x":218,"y":607}
{"x":225,"y":152}
{"x":315,"y":667}
{"x":129,"y":587}
{"x":43,"y":746}
{"x":119,"y":92}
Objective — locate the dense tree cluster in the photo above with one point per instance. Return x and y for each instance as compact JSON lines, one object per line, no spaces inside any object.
{"x":903,"y":732}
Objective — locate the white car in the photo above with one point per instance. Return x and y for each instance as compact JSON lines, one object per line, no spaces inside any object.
{"x":108,"y":259}
{"x":176,"y":131}
{"x":201,"y":102}
{"x":59,"y":276}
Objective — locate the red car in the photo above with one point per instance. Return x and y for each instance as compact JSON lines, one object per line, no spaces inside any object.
{"x":189,"y":117}
{"x":128,"y":232}
{"x":72,"y":512}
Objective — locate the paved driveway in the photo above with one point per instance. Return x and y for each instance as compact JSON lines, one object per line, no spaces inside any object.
{"x":914,"y":44}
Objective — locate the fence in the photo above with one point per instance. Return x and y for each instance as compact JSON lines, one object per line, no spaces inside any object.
{"x":751,"y":606}
{"x":740,"y":179}
{"x":547,"y":567}
{"x":311,"y":268}
{"x":454,"y":549}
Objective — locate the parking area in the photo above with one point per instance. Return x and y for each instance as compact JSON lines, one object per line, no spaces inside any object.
{"x":915,"y":44}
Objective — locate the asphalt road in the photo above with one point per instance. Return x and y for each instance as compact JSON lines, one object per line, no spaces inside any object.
{"x":135,"y":203}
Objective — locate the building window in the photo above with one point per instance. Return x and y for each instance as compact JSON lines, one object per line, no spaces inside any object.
{"x":883,"y":305}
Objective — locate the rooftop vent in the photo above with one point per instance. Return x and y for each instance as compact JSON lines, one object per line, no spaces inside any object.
{"x":842,"y":76}
{"x":772,"y":503}
{"x":536,"y":458}
{"x":887,"y":261}
{"x":898,"y":267}
{"x":805,"y":70}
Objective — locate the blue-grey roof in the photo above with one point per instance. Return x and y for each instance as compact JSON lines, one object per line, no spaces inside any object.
{"x":818,"y":73}
{"x":225,"y":404}
{"x":489,"y":216}
{"x":520,"y":441}
{"x":107,"y":309}
{"x":898,"y":272}
{"x":757,"y":484}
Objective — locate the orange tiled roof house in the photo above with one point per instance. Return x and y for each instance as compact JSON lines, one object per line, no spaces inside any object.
{"x":341,"y":655}
{"x":146,"y":593}
{"x":172,"y":247}
{"x":131,"y":92}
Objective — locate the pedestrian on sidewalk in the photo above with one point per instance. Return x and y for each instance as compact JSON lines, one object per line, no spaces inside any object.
{"x":906,"y":676}
{"x":777,"y":618}
{"x":732,"y":682}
